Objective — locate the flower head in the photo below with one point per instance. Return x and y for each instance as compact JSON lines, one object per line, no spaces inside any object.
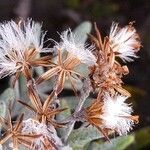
{"x":125,"y":42}
{"x":71,"y":43}
{"x":19,"y":44}
{"x":107,"y":75}
{"x":48,"y":134}
{"x":13,"y":133}
{"x":116,"y":114}
{"x":45,"y":112}
{"x":65,"y":67}
{"x":110,"y":114}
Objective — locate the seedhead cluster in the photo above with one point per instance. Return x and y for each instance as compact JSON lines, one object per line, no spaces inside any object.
{"x":20,"y":47}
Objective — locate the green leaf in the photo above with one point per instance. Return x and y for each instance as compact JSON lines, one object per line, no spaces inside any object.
{"x":73,"y":101}
{"x":7,"y":95}
{"x":5,"y":98}
{"x":23,"y":94}
{"x":20,"y":94}
{"x":2,"y":109}
{"x":63,"y":115}
{"x":39,"y":70}
{"x":83,"y":70}
{"x":82,"y":30}
{"x":67,"y":112}
{"x":119,"y":143}
{"x":143,"y":138}
{"x":80,"y":137}
{"x":44,"y":88}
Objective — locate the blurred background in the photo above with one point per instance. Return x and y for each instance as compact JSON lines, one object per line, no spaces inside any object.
{"x":58,"y":15}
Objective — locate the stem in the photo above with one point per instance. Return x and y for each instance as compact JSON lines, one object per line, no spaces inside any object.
{"x":85,"y":91}
{"x":31,"y":87}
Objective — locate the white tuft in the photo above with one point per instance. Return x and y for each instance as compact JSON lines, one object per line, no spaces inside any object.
{"x":18,"y":38}
{"x":124,"y":41}
{"x":31,"y":126}
{"x":82,"y":51}
{"x":116,"y":114}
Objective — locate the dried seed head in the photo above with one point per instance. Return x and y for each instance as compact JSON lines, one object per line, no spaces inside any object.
{"x":116,"y":114}
{"x":65,"y":67}
{"x":107,"y":75}
{"x":71,"y":43}
{"x":108,"y":78}
{"x":125,"y":42}
{"x":48,"y":134}
{"x":110,"y":114}
{"x":19,"y":43}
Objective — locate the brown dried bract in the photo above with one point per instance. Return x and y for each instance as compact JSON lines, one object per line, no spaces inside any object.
{"x":13,"y":133}
{"x":107,"y":75}
{"x":63,"y":69}
{"x":45,"y":112}
{"x":30,"y":59}
{"x":92,"y":116}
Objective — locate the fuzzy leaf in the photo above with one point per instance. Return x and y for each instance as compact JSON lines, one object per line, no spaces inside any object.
{"x":143,"y":138}
{"x":2,"y":111}
{"x":20,"y":94}
{"x":63,"y":115}
{"x":2,"y":108}
{"x":80,"y":137}
{"x":23,"y":88}
{"x":73,"y":101}
{"x":7,"y":95}
{"x":82,"y":30}
{"x":5,"y":98}
{"x":83,"y":70}
{"x":39,"y":70}
{"x":119,"y":143}
{"x":67,"y":112}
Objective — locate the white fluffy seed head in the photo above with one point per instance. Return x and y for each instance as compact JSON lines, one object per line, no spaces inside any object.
{"x":116,"y":114}
{"x":124,"y":41}
{"x":31,"y":126}
{"x":18,"y":38}
{"x":82,"y":51}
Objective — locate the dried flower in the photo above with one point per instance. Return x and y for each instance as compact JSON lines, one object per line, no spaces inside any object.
{"x":92,"y":116}
{"x":77,"y":53}
{"x":125,"y":42}
{"x":107,"y":75}
{"x":44,"y":112}
{"x":82,"y":51}
{"x":13,"y":133}
{"x":20,"y":46}
{"x":116,"y":114}
{"x":47,"y":140}
{"x":111,"y":114}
